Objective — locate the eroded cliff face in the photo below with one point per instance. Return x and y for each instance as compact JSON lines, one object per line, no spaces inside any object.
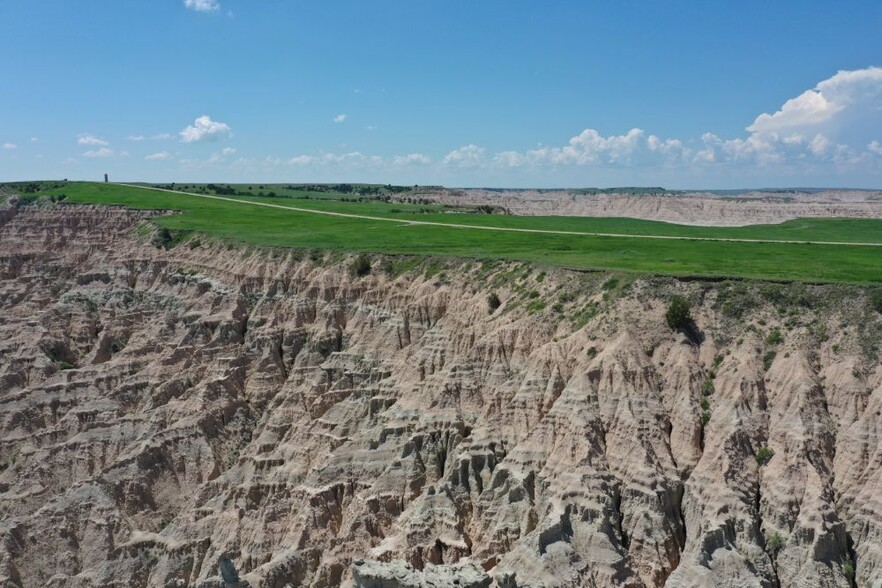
{"x":159,"y":407}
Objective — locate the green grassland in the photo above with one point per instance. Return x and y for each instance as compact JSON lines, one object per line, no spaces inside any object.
{"x":282,"y":228}
{"x":806,"y":229}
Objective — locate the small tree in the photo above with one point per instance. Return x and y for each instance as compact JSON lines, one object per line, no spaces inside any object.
{"x":361,"y":266}
{"x":493,"y":302}
{"x":775,"y":543}
{"x":679,"y":313}
{"x":764,"y":454}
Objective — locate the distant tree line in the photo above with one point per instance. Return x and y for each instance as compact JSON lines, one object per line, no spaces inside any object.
{"x":360,"y":189}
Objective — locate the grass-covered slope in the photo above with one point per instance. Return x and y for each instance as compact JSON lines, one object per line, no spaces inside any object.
{"x":289,"y":228}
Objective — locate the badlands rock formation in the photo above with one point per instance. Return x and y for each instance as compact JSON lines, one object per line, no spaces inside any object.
{"x":161,"y":409}
{"x":700,"y":208}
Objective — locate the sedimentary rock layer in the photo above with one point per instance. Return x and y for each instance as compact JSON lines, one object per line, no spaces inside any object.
{"x":160,"y":407}
{"x":690,"y":208}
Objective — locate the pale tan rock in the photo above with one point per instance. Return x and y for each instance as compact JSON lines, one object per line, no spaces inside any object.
{"x":688,"y":208}
{"x":278,"y":410}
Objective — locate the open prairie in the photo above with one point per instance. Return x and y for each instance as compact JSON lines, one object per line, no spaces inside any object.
{"x":816,"y":250}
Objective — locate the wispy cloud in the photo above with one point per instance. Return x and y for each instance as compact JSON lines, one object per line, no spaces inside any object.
{"x":88,"y":139}
{"x":101,"y":152}
{"x":9,"y":146}
{"x":340,"y":118}
{"x":202,"y":5}
{"x":221,"y":155}
{"x":135,"y":138}
{"x":160,"y":156}
{"x":412,"y":159}
{"x":203,"y":128}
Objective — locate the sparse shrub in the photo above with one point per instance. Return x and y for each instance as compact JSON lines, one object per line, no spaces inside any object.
{"x":581,"y":318}
{"x":163,"y":238}
{"x":566,"y":297}
{"x":361,"y":266}
{"x":679,"y":313}
{"x":775,"y":337}
{"x":493,"y":302}
{"x":592,"y":352}
{"x":536,"y":306}
{"x":65,"y":366}
{"x":705,"y":417}
{"x":876,"y":300}
{"x":848,"y":569}
{"x":533,"y":295}
{"x":705,"y":404}
{"x":433,"y":269}
{"x":610,"y":284}
{"x":768,"y":358}
{"x":707,"y":388}
{"x":774,"y":543}
{"x":735,"y":300}
{"x":764,"y":454}
{"x":772,"y":293}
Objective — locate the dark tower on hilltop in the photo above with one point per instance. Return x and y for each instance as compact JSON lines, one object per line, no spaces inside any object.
{"x":106,"y":179}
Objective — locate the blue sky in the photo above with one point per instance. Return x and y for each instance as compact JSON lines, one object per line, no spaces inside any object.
{"x":464,"y":93}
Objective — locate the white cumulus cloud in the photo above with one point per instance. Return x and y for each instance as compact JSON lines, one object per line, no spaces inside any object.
{"x":411,"y":159}
{"x":160,"y":156}
{"x":466,"y":156}
{"x":202,"y":5}
{"x":841,"y":107}
{"x":9,"y":146}
{"x":832,"y":130}
{"x":203,"y":128}
{"x":87,"y":139}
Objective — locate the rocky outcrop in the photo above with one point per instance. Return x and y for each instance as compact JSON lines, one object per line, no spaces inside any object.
{"x":689,"y":208}
{"x":374,"y":574}
{"x":161,"y":407}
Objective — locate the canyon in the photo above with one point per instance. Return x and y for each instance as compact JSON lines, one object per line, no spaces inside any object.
{"x":161,"y":408}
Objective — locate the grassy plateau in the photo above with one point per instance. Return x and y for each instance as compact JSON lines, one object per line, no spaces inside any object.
{"x":276,"y":227}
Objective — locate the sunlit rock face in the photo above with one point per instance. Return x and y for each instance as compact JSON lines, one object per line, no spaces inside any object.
{"x":160,"y":408}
